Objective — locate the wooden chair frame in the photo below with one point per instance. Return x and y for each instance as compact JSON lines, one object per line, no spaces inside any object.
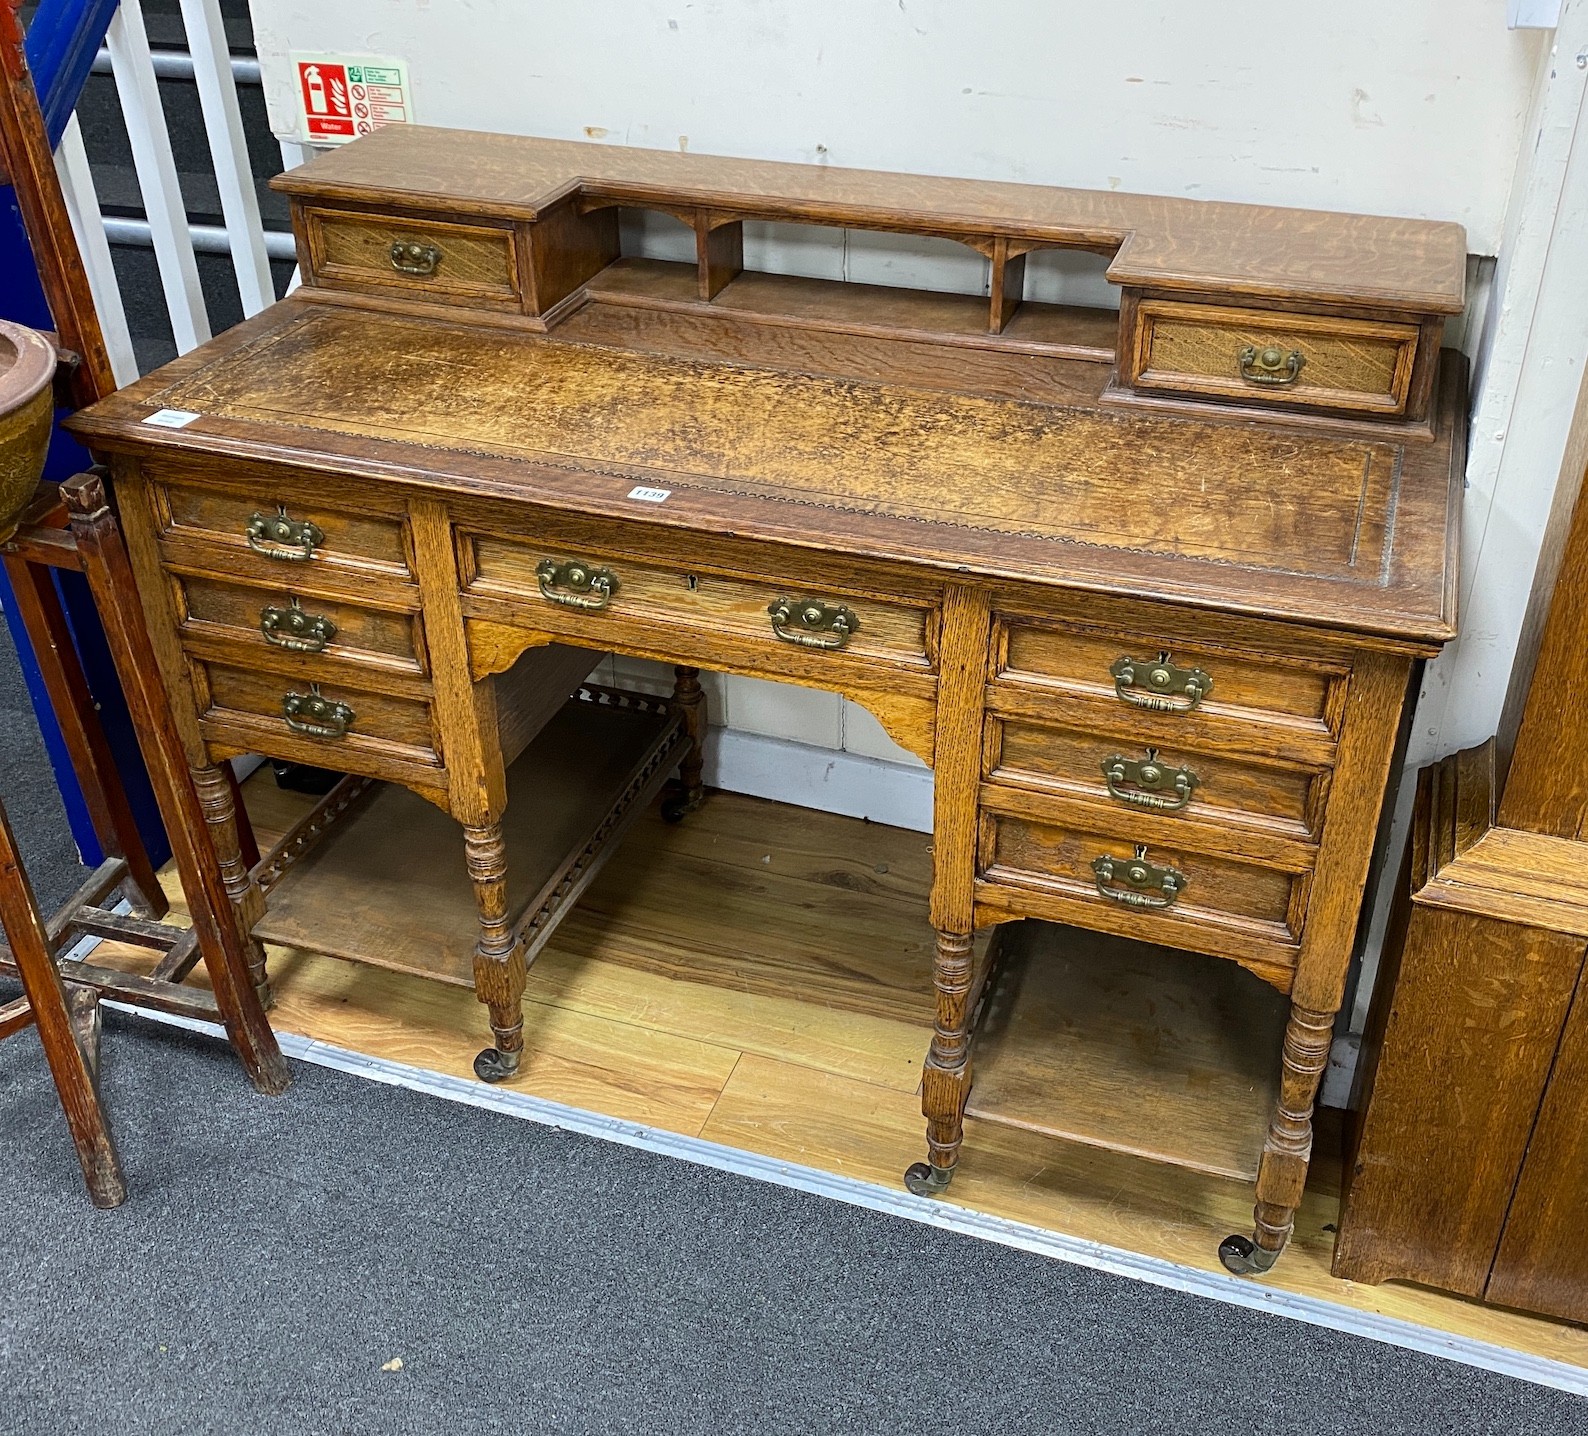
{"x":74,"y":527}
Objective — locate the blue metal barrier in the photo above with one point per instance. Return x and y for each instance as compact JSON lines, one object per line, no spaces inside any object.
{"x":61,"y":43}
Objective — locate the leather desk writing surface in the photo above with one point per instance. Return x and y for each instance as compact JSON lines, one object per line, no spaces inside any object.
{"x":1318,"y":528}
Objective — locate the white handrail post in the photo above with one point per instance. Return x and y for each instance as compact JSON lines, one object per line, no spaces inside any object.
{"x":152,"y":157}
{"x":82,"y":206}
{"x":223,"y":125}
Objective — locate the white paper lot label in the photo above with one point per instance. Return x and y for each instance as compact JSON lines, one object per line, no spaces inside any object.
{"x":171,"y":418}
{"x":651,"y":496}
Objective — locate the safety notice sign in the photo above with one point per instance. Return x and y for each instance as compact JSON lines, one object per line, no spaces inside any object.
{"x":344,"y":96}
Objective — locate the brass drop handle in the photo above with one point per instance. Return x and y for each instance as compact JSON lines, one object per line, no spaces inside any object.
{"x":1270,"y":365}
{"x":1144,"y":884}
{"x":316,"y":716}
{"x":293,"y":628}
{"x":812,"y":624}
{"x":1147,"y":783}
{"x":1159,"y":686}
{"x":576,"y":585}
{"x":408,"y":256}
{"x":289,"y":540}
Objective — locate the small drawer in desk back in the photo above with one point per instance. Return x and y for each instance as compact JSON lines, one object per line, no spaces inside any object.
{"x":1265,"y":357}
{"x":421,"y":259}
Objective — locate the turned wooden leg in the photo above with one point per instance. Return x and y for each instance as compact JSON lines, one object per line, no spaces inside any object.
{"x":499,"y":968}
{"x":945,"y":1080}
{"x":1287,"y":1151}
{"x":216,"y":793}
{"x":68,"y":1028}
{"x":687,"y":794}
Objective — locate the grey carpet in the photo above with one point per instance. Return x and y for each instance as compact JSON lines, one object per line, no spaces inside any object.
{"x":275,"y":1254}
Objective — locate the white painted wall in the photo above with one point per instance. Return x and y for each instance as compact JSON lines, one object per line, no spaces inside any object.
{"x":1416,"y":108}
{"x":1408,"y":108}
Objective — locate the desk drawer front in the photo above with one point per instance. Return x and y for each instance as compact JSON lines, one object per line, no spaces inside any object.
{"x":1065,"y":861}
{"x":1192,"y":679}
{"x":1267,"y":358}
{"x":347,"y":722}
{"x":297,"y":623}
{"x":279,"y":529}
{"x":422,"y":259}
{"x":577,"y":594}
{"x":1127,"y":775}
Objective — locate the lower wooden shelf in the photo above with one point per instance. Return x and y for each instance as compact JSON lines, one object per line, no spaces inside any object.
{"x":1158,"y":1053}
{"x":375,"y":873}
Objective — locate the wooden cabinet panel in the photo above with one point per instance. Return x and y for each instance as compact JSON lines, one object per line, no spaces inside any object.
{"x":422,"y":259}
{"x":1248,"y":686}
{"x":1047,"y":857}
{"x":1273,"y":358}
{"x":1232,"y":790}
{"x":1427,"y":1193}
{"x":1542,"y":1264}
{"x":247,"y":615}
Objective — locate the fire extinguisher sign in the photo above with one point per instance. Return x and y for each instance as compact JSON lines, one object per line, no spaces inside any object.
{"x":341,"y":97}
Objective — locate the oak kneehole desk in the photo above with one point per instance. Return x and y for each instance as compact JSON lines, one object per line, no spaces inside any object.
{"x":1146,"y":590}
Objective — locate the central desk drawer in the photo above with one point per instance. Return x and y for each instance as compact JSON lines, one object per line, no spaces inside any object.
{"x":245,"y":615}
{"x":1099,"y":869}
{"x":352,"y":727}
{"x":418,"y":258}
{"x":275,"y":528}
{"x":583,"y":595}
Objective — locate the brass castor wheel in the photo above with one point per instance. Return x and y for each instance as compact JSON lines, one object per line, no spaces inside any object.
{"x":1244,"y":1257}
{"x":494,"y":1065}
{"x":927,"y":1181}
{"x":678,"y":801}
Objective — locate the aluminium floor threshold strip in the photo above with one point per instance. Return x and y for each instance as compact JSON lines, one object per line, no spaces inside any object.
{"x":1234,"y":1291}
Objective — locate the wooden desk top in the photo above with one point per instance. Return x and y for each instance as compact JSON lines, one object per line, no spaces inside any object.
{"x":1162,"y":242}
{"x":1338,"y":532}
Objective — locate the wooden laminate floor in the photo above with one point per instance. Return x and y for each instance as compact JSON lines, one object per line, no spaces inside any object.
{"x":758,"y":976}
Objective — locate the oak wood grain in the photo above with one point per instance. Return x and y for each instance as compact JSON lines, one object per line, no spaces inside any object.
{"x":1162,"y":242}
{"x":1021,"y":489}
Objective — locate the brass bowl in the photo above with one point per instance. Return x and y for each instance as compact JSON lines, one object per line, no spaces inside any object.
{"x":27,"y":413}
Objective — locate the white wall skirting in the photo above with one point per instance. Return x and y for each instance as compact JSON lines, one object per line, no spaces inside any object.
{"x":810,"y":777}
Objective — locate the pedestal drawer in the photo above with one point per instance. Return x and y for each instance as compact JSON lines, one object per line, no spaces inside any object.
{"x":1126,"y":774}
{"x":246,"y":615}
{"x":1264,"y":357}
{"x":275,"y":527}
{"x":1153,"y":674}
{"x":1108,"y":871}
{"x":347,"y":727}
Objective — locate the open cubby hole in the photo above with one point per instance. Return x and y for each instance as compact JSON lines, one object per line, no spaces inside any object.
{"x":985,"y":292}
